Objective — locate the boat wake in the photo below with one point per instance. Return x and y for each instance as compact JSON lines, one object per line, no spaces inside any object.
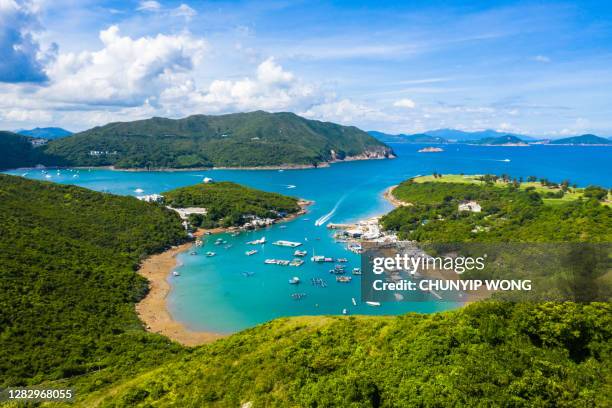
{"x":322,"y":220}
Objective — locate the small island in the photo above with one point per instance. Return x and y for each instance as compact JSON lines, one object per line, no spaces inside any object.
{"x":431,"y":150}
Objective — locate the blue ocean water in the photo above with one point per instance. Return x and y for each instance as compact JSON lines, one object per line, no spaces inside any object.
{"x":232,"y":291}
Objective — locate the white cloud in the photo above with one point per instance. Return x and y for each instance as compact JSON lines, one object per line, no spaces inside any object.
{"x":184,"y":11}
{"x":149,"y":5}
{"x":404,"y":103}
{"x":541,"y":58}
{"x":125,"y":71}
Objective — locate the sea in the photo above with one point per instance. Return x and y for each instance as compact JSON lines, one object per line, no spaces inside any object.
{"x":231,"y":291}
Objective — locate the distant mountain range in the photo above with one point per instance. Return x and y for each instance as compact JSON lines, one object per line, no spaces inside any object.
{"x":485,"y":137}
{"x":45,"y":133}
{"x":252,"y":139}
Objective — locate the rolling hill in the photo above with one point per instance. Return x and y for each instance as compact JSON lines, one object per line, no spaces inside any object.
{"x":254,"y":139}
{"x":17,"y":151}
{"x":45,"y":133}
{"x":506,"y":140}
{"x":454,"y":134}
{"x":582,"y":140}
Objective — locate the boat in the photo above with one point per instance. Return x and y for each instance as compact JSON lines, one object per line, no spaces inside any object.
{"x":373,"y":303}
{"x":193,"y":253}
{"x":317,"y":258}
{"x":342,"y":260}
{"x":343,"y":279}
{"x":345,"y":311}
{"x":176,"y":273}
{"x":294,"y":281}
{"x":251,"y":252}
{"x":328,"y":259}
{"x":259,"y":241}
{"x":300,"y":253}
{"x":354,"y":301}
{"x":199,"y":242}
{"x":210,"y":253}
{"x":296,"y":262}
{"x":356,"y":271}
{"x":284,"y":243}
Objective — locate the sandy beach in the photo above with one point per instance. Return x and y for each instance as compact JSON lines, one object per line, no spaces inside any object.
{"x":388,"y":195}
{"x":153,"y":310}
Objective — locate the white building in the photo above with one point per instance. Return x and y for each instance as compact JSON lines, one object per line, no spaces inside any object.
{"x":472,"y":206}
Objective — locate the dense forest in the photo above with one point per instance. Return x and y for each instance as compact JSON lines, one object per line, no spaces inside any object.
{"x":236,"y":140}
{"x":68,"y":283}
{"x":486,"y":354}
{"x":228,"y":203}
{"x":17,"y":151}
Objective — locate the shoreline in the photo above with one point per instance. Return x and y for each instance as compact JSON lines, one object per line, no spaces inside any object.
{"x":152,"y":310}
{"x":388,"y":195}
{"x":172,"y":169}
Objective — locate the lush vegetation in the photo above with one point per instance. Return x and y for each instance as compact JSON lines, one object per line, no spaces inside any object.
{"x":17,"y":151}
{"x":584,"y":139}
{"x":510,"y":212}
{"x":229,"y":204}
{"x":238,"y":140}
{"x":68,"y":283}
{"x":487,"y":354}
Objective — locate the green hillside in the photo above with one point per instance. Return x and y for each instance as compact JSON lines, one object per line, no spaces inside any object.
{"x":583,"y":140}
{"x":68,"y":283}
{"x":228,"y":203}
{"x":487,"y":354}
{"x":17,"y":151}
{"x":235,"y":140}
{"x":510,"y":212}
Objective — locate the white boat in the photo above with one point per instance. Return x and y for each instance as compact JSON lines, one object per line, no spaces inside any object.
{"x":354,"y":301}
{"x":300,"y":253}
{"x":317,"y":258}
{"x":175,"y":273}
{"x":251,"y":252}
{"x":373,"y":303}
{"x":344,"y":311}
{"x":356,"y":271}
{"x":294,"y":281}
{"x":284,"y":243}
{"x":210,"y":253}
{"x":259,"y":241}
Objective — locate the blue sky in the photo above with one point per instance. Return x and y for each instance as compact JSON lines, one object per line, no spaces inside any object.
{"x":540,"y":68}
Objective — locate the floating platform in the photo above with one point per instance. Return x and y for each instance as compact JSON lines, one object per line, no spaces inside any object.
{"x":289,"y":244}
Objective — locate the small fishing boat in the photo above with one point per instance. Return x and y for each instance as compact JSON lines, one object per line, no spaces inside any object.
{"x":354,"y":301}
{"x":176,"y":273}
{"x":373,"y":303}
{"x":193,"y":253}
{"x":342,"y":260}
{"x":210,"y":253}
{"x":300,"y":253}
{"x":251,"y":252}
{"x":345,"y":311}
{"x":294,"y":281}
{"x":259,"y":241}
{"x":356,"y":271}
{"x":296,"y":262}
{"x":343,"y":279}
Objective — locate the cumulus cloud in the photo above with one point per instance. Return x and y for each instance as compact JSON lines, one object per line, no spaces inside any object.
{"x":21,"y":57}
{"x":125,"y":71}
{"x":271,"y":88}
{"x":404,"y":103}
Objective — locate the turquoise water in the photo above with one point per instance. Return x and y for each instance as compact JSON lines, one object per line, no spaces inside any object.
{"x":214,"y":294}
